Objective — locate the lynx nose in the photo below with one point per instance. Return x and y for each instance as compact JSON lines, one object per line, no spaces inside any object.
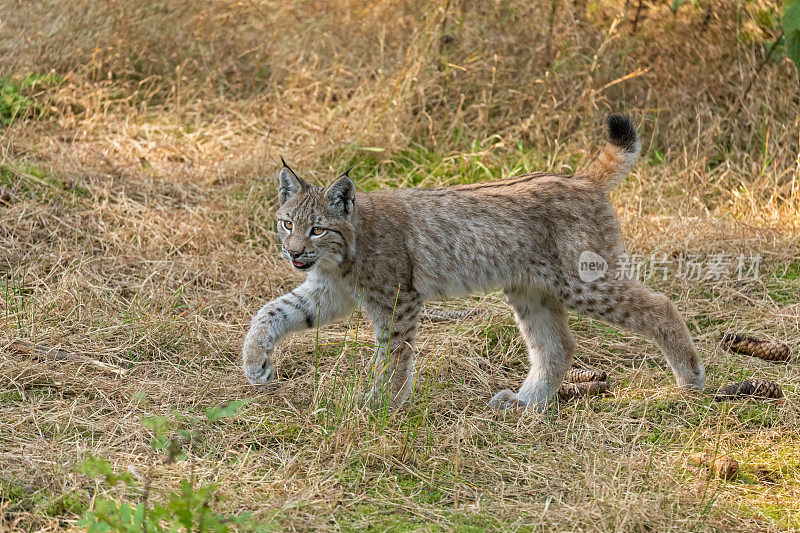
{"x":294,"y":253}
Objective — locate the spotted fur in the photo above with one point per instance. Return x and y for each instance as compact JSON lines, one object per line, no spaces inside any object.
{"x":393,"y":250}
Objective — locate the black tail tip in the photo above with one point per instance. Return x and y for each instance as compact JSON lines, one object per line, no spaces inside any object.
{"x":622,"y":132}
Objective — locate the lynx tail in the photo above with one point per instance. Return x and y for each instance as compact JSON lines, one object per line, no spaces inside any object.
{"x":618,"y":155}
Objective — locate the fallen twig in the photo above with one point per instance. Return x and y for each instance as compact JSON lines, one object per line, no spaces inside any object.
{"x":446,"y":315}
{"x":43,"y":352}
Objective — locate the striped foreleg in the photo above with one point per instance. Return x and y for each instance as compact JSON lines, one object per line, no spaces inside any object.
{"x":393,"y":370}
{"x":307,"y":306}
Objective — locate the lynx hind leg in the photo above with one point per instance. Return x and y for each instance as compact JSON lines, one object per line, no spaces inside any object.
{"x":542,"y":322}
{"x":635,"y":307}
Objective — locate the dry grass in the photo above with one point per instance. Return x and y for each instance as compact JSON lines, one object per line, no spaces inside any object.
{"x":137,"y":231}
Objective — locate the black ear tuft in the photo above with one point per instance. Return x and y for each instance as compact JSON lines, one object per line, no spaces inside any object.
{"x":621,"y":132}
{"x":289,"y":183}
{"x":341,"y":195}
{"x":347,"y":172}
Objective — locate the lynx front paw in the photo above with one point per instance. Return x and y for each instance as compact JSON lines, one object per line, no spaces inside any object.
{"x":258,"y":367}
{"x":370,"y":400}
{"x":378,"y":400}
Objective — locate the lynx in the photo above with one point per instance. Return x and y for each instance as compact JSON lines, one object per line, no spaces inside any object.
{"x":390,"y":251}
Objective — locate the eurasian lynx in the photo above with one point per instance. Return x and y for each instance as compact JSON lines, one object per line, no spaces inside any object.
{"x":392,"y":250}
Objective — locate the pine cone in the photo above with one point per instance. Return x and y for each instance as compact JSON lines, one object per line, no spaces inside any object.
{"x":756,"y":388}
{"x":568,"y":391}
{"x":5,"y":196}
{"x":767,"y":350}
{"x":724,"y":467}
{"x":584,"y":375}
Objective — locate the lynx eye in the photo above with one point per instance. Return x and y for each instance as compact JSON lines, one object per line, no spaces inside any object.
{"x":287,"y":225}
{"x":316,"y":230}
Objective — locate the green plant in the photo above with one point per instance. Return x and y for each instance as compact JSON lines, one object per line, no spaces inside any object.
{"x":676,"y":4}
{"x":14,"y":102}
{"x":189,"y":507}
{"x":790,"y":23}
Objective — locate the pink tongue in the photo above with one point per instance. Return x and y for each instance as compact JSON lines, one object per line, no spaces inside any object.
{"x":297,"y":263}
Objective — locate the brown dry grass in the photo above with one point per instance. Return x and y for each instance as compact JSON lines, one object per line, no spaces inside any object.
{"x":138,"y":232}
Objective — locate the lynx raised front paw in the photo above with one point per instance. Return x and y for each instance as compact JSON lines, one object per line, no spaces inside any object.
{"x":258,"y":367}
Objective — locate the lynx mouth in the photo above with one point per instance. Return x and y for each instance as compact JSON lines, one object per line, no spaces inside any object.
{"x":300,"y":265}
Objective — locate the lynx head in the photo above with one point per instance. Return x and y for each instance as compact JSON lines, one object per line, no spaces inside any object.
{"x":315,"y":224}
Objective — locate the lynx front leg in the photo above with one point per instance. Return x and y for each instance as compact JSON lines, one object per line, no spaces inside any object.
{"x":393,"y":370}
{"x":307,"y":306}
{"x":543,"y":324}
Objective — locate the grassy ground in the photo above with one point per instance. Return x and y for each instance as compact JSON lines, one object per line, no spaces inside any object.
{"x":138,"y":162}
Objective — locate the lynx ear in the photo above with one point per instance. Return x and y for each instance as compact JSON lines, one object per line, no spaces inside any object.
{"x":289,"y":183}
{"x":342,"y":195}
